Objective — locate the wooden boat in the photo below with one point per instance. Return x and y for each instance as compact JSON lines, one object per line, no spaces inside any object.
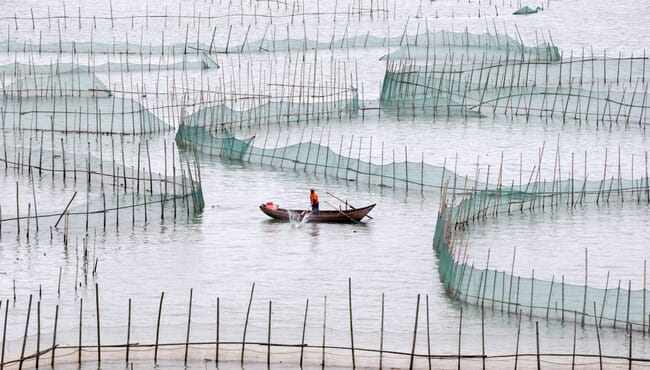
{"x":352,"y":215}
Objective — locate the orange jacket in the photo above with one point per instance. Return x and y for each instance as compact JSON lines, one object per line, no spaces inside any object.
{"x":313,"y":197}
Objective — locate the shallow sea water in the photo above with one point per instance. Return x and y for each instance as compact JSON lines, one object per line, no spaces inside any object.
{"x":231,"y":244}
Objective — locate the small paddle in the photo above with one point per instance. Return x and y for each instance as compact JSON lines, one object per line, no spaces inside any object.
{"x":345,"y":201}
{"x":343,"y":213}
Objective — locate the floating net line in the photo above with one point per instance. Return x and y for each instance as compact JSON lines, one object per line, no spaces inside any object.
{"x":61,"y":67}
{"x":590,"y":89}
{"x":411,"y":46}
{"x":266,"y":110}
{"x":471,"y":46}
{"x":620,"y":305}
{"x":73,"y":114}
{"x":316,"y":158}
{"x":376,"y":166}
{"x":73,"y":101}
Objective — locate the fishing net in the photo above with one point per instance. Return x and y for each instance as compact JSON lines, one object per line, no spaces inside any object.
{"x":589,"y":89}
{"x":617,"y":305}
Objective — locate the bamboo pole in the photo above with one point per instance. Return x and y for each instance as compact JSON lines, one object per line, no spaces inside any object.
{"x":22,"y":351}
{"x":155,"y":353}
{"x":324,"y":327}
{"x":189,"y":322}
{"x":460,"y":328}
{"x":268,"y":340}
{"x":351,"y":325}
{"x":248,"y":311}
{"x":56,"y":321}
{"x":81,"y":306}
{"x":304,"y":327}
{"x":4,"y":336}
{"x":381,"y":335}
{"x":415,"y":331}
{"x":216,"y":351}
{"x":99,"y":345}
{"x":600,"y":353}
{"x":128,"y":334}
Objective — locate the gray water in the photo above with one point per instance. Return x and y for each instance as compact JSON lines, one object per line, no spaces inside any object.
{"x":221,"y":252}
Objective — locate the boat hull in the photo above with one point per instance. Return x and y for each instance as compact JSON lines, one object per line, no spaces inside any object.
{"x":341,"y":216}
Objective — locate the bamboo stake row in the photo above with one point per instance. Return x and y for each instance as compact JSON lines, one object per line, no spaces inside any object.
{"x":415,"y":359}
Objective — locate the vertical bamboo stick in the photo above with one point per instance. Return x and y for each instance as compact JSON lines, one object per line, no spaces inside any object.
{"x":460,"y":328}
{"x":81,"y":306}
{"x":324,"y":327}
{"x":304,"y":327}
{"x":128,"y":333}
{"x":56,"y":322}
{"x":428,"y":334}
{"x":22,"y":351}
{"x":248,"y":311}
{"x":381,"y":334}
{"x":155,"y":352}
{"x":189,"y":323}
{"x":216,"y":350}
{"x":99,"y":342}
{"x":539,"y":365}
{"x":38,"y":330}
{"x":517,"y":342}
{"x":4,"y":336}
{"x":351,"y":325}
{"x":268,"y":338}
{"x":415,"y":331}
{"x":600,"y":353}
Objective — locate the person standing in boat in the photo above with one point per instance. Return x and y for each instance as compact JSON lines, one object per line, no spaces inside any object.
{"x":313,"y":198}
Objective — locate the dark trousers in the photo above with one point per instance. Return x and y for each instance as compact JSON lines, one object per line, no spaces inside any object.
{"x":314,"y":208}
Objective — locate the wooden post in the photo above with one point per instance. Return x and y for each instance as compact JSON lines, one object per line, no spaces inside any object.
{"x":38,"y":330}
{"x":4,"y":336}
{"x":460,"y":328}
{"x":575,"y":329}
{"x":155,"y":351}
{"x":22,"y":351}
{"x":584,"y":301}
{"x":17,"y":210}
{"x":56,"y":322}
{"x":381,"y":335}
{"x":644,"y":291}
{"x":415,"y":331}
{"x":428,"y":335}
{"x":324,"y":326}
{"x":268,"y":338}
{"x":81,"y":306}
{"x":483,"y":336}
{"x":128,"y":333}
{"x":600,"y":353}
{"x":629,"y":364}
{"x":189,"y":323}
{"x":517,"y":345}
{"x":248,"y":311}
{"x":304,"y":327}
{"x":351,"y":325}
{"x":99,"y":345}
{"x":539,"y":364}
{"x":216,"y":351}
